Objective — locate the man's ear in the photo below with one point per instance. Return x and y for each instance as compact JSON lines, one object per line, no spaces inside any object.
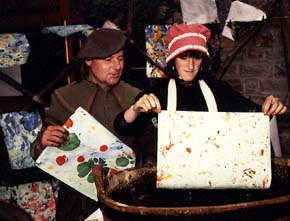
{"x":88,"y":62}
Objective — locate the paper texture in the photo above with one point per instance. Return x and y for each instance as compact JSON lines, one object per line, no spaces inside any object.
{"x":20,"y":129}
{"x":199,"y":11}
{"x":14,"y":48}
{"x":213,"y":150}
{"x":89,"y":143}
{"x":66,"y":30}
{"x":96,"y":216}
{"x":155,"y":36}
{"x":274,"y":136}
{"x":240,"y":11}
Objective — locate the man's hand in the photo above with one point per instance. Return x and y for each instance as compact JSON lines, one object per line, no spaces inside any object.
{"x":53,"y":136}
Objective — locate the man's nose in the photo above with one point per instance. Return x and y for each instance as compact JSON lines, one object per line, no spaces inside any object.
{"x":117,"y":64}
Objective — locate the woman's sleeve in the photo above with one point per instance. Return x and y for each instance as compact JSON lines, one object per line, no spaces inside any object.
{"x":130,"y":129}
{"x":231,"y":100}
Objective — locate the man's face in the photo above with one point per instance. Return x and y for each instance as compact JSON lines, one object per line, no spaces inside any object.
{"x":106,"y":72}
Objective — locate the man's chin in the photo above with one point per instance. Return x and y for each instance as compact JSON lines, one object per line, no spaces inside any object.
{"x":114,"y":81}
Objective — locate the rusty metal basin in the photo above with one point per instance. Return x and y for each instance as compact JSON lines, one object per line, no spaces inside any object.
{"x":132,"y":195}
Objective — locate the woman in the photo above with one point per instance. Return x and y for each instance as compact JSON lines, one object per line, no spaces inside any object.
{"x":195,"y":89}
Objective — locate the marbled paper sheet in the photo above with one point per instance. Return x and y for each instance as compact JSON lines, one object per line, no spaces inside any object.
{"x":89,"y":143}
{"x":66,"y":30}
{"x":14,"y":49}
{"x":155,"y":47}
{"x":213,"y":150}
{"x":20,"y":129}
{"x":36,"y":199}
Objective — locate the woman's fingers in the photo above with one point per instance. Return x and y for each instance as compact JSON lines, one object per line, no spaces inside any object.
{"x":273,"y":106}
{"x":155,"y":100}
{"x":148,"y":102}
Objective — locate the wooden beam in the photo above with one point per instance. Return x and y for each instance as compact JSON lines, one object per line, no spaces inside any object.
{"x":15,"y":84}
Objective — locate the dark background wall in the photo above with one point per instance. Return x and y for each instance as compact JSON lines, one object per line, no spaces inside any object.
{"x":260,"y":68}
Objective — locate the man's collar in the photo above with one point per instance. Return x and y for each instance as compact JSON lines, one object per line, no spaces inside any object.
{"x":86,"y":80}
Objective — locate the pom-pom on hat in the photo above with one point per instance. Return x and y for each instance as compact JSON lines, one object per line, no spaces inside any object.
{"x":184,"y":37}
{"x":102,"y":43}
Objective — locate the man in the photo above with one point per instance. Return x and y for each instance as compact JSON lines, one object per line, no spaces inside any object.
{"x":102,"y":94}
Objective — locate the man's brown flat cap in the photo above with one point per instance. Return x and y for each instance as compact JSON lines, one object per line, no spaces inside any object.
{"x":102,"y":43}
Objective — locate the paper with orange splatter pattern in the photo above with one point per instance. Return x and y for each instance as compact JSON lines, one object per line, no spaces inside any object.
{"x":213,"y":150}
{"x":90,"y":143}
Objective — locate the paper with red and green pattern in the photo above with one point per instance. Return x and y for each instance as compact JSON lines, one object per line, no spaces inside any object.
{"x":89,"y":143}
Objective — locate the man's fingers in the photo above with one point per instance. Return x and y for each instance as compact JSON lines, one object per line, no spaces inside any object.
{"x":57,"y":128}
{"x":54,"y":136}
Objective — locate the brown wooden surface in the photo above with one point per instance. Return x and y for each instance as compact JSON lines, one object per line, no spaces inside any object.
{"x":126,"y":176}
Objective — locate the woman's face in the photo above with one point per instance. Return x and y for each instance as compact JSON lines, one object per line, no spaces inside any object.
{"x":188,"y":64}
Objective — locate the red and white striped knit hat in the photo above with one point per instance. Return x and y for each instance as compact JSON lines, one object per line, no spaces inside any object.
{"x":184,"y":37}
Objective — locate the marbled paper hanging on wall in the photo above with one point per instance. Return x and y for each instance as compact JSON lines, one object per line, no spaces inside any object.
{"x":213,"y":150}
{"x":67,"y":30}
{"x":89,"y":143}
{"x":155,"y":46}
{"x":14,"y":49}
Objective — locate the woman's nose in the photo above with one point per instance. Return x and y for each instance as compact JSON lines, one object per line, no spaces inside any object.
{"x":191,"y":63}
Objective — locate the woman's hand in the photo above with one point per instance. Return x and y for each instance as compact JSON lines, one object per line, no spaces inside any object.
{"x":273,"y":106}
{"x":147,"y":103}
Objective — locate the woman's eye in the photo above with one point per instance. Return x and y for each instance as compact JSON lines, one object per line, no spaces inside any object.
{"x":183,"y":56}
{"x":198,"y":56}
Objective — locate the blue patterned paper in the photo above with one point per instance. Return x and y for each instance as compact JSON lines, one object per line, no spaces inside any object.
{"x":14,"y":49}
{"x":66,"y":30}
{"x":20,"y":129}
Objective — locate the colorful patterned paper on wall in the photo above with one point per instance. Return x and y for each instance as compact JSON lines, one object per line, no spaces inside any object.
{"x":156,"y":49}
{"x":14,"y":49}
{"x":65,"y":30}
